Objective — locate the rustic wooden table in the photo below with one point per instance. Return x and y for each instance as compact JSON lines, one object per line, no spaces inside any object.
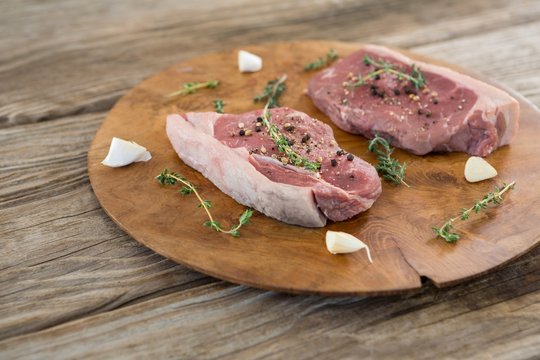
{"x":73,"y":285}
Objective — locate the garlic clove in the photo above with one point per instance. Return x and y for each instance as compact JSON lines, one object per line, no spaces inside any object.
{"x":248,"y":62}
{"x":145,"y":156}
{"x":478,"y":169}
{"x":338,"y":242}
{"x":122,"y":153}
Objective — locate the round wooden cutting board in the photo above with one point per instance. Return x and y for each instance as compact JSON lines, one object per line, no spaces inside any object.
{"x":273,"y":255}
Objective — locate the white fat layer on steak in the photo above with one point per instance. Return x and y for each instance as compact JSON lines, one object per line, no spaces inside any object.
{"x":230,"y":171}
{"x":211,"y":144}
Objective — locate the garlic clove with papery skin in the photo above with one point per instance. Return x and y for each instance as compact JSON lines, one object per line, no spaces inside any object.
{"x":122,"y":153}
{"x":478,"y":169}
{"x":338,"y":242}
{"x":248,"y":62}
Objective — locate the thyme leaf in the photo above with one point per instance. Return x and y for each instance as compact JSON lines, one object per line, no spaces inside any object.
{"x":389,"y":168}
{"x":193,"y":87}
{"x":167,"y":177}
{"x":218,"y":105}
{"x":331,"y":56}
{"x":416,"y":77}
{"x":495,"y":197}
{"x":272,"y":92}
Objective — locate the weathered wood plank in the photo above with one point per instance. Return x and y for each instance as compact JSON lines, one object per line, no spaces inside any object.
{"x":227,"y":321}
{"x":507,"y":55}
{"x":73,"y":285}
{"x":48,"y":70}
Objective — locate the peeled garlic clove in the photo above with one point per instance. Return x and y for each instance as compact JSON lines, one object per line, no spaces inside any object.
{"x":248,"y":62}
{"x":122,"y":153}
{"x":144,"y":157}
{"x":338,"y":242}
{"x":478,"y":169}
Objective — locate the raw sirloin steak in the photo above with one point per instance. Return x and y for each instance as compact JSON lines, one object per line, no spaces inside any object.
{"x":240,"y":158}
{"x":451,"y":112}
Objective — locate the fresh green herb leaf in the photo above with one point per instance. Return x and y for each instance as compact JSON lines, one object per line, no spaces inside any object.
{"x":389,"y":168}
{"x":331,"y":56}
{"x":185,"y":190}
{"x":193,"y":87}
{"x":165,"y":179}
{"x":416,"y":77}
{"x":170,"y":178}
{"x":246,"y":215}
{"x":206,"y":204}
{"x":446,"y":233}
{"x":214,"y":225}
{"x":495,"y":197}
{"x":218,"y":105}
{"x":272,"y":91}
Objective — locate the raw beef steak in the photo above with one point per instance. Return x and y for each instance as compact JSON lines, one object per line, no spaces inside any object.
{"x":451,"y":112}
{"x":240,"y":158}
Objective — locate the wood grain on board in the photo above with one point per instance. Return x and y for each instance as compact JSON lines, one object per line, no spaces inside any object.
{"x":74,"y":285}
{"x":277,"y":256}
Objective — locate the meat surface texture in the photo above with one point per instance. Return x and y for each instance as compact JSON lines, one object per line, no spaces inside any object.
{"x":452,"y":112}
{"x":240,"y":158}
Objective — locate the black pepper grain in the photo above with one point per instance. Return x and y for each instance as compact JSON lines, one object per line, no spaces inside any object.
{"x":420,"y":111}
{"x":377,"y":77}
{"x":340,"y":152}
{"x":259,"y":119}
{"x":257,"y":129}
{"x":435,"y":101}
{"x":397,"y":92}
{"x":290,"y":142}
{"x":305,"y":138}
{"x":350,"y":157}
{"x":242,"y":132}
{"x":333,"y":162}
{"x":409,"y":90}
{"x":428,"y":113}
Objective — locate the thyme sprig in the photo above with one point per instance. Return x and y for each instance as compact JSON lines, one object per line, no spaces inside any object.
{"x":272,"y":92}
{"x":193,"y":87}
{"x":218,"y":105}
{"x":416,"y":77}
{"x":170,"y":178}
{"x":390,"y":169}
{"x":495,"y":197}
{"x":331,"y":56}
